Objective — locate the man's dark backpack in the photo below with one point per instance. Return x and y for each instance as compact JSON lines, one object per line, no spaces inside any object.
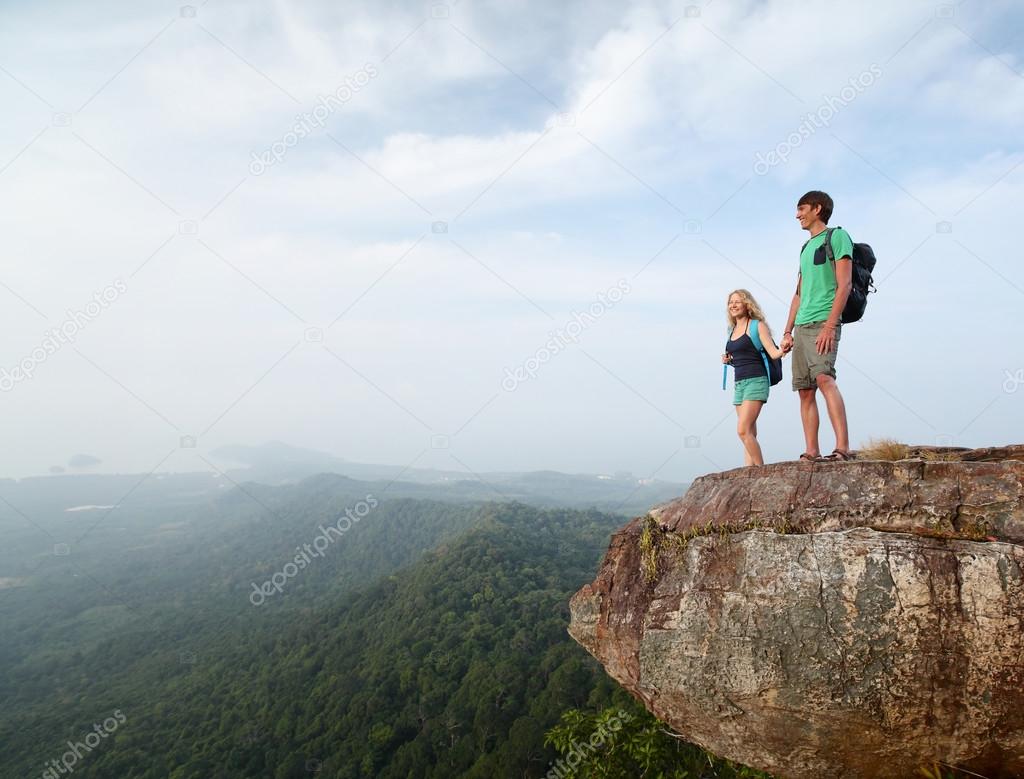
{"x":862,"y":283}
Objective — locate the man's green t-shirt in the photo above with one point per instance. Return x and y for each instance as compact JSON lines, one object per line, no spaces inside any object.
{"x":818,"y":279}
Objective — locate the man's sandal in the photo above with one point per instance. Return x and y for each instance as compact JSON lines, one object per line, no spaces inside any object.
{"x":838,"y":455}
{"x":809,"y":458}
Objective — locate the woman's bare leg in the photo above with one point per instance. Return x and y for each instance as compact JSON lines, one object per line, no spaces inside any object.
{"x":739,"y":423}
{"x":746,"y":429}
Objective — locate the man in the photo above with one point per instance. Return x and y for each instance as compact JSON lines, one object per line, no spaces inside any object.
{"x":813,"y":327}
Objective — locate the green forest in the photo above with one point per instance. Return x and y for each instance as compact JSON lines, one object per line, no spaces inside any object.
{"x":428,"y":641}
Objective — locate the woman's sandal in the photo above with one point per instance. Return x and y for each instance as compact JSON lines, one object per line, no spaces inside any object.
{"x":838,"y":455}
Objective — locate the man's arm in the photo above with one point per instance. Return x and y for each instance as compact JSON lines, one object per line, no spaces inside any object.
{"x":787,"y":337}
{"x":826,"y":339}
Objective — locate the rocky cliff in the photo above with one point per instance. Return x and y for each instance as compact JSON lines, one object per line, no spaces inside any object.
{"x":857,"y":619}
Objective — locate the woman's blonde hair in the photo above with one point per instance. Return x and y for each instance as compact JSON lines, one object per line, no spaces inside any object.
{"x":753,"y":309}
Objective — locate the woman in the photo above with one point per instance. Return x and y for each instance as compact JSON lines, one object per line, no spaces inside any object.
{"x":751,"y":374}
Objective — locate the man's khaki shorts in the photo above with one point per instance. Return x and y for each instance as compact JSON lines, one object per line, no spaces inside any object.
{"x":807,"y":363}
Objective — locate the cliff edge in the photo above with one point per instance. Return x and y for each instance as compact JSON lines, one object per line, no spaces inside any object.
{"x":850,"y":619}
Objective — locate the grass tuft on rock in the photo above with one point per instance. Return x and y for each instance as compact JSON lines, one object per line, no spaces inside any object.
{"x":883,"y":449}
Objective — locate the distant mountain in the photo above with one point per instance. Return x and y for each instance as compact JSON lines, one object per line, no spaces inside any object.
{"x":282,"y":456}
{"x":276,"y":463}
{"x":42,"y":502}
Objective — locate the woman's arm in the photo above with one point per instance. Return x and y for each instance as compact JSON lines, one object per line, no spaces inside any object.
{"x":766,"y":341}
{"x":794,"y":306}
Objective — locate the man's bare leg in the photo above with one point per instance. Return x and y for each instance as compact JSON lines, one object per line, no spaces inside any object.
{"x":836,"y":410}
{"x":809,"y":418}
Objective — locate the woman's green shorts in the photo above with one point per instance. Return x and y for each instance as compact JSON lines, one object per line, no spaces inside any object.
{"x":751,"y":389}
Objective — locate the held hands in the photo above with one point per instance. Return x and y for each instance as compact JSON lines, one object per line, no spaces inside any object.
{"x":824,"y":343}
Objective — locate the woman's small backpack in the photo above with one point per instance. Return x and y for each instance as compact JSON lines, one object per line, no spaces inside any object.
{"x":772,"y":365}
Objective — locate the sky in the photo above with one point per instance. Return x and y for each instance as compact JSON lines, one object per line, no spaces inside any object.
{"x":489,"y":236}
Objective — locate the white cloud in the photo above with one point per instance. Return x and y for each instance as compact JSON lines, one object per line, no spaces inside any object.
{"x":660,"y":121}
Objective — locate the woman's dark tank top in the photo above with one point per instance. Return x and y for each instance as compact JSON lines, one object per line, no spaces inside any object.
{"x":746,"y":360}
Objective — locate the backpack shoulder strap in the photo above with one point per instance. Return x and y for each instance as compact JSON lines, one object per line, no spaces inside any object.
{"x":829,"y":251}
{"x":755,"y":336}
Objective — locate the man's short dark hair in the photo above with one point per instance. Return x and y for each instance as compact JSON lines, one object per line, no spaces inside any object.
{"x":816,"y":198}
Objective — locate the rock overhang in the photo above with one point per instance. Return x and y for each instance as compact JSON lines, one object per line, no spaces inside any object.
{"x":766,"y":613}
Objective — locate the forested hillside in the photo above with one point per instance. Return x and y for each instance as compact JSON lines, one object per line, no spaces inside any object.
{"x":454,"y":665}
